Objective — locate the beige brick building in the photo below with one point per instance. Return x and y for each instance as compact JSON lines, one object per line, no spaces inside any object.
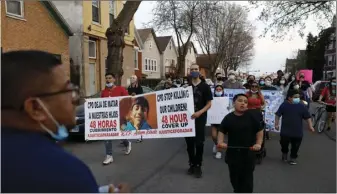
{"x":34,"y":25}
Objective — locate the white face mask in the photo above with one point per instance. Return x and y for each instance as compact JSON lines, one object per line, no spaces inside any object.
{"x":268,"y":83}
{"x":296,"y":87}
{"x":231,"y":77}
{"x":282,"y":82}
{"x":109,"y":85}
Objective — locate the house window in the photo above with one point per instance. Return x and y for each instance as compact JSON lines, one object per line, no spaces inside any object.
{"x":95,"y":11}
{"x":190,"y":50}
{"x":136,"y":59}
{"x":145,"y":64}
{"x":170,"y":45}
{"x":14,"y":8}
{"x":150,"y":44}
{"x":92,"y":49}
{"x":111,"y":11}
{"x":155,"y":65}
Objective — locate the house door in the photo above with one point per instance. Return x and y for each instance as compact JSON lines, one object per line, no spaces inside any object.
{"x":92,"y":78}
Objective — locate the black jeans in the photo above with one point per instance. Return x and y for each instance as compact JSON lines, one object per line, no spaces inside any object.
{"x":195,"y":145}
{"x":295,"y":143}
{"x":241,"y":164}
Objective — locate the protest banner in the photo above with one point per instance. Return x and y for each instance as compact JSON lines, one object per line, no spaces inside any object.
{"x":218,"y":110}
{"x":273,"y":99}
{"x":161,"y":114}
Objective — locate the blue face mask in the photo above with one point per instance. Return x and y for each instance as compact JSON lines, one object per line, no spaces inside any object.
{"x":62,"y":131}
{"x":194,"y":74}
{"x":261,"y":83}
{"x":296,"y":100}
{"x":218,"y":94}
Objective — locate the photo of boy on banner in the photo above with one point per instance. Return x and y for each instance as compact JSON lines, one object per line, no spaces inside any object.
{"x":136,"y":113}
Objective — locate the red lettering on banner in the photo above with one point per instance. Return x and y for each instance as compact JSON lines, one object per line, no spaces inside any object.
{"x":107,"y":124}
{"x":178,"y":118}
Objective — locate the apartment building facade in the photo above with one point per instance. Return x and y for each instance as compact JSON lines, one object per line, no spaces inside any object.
{"x":88,"y":47}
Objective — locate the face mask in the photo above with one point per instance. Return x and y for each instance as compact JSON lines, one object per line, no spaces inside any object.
{"x":194,"y":74}
{"x":133,"y":80}
{"x":218,"y":94}
{"x":282,"y":82}
{"x":185,"y":82}
{"x":231,"y":77}
{"x":254,"y":92}
{"x":333,"y":83}
{"x":296,"y":100}
{"x":268,"y":83}
{"x":62,"y":131}
{"x":261,"y":83}
{"x":109,"y":85}
{"x":296,"y":87}
{"x":292,"y":78}
{"x":219,"y":78}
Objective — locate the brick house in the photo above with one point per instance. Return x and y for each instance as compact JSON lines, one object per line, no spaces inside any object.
{"x":34,"y":25}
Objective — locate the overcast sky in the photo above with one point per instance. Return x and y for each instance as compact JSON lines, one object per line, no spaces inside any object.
{"x":269,"y":55}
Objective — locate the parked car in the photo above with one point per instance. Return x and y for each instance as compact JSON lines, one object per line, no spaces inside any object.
{"x":318,"y":85}
{"x":78,"y":130}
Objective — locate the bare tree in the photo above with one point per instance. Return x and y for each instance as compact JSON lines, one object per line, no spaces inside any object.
{"x":281,"y":16}
{"x":115,"y":35}
{"x":224,"y":35}
{"x":179,"y":16}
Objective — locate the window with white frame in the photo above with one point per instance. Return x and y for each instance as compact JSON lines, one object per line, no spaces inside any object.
{"x":111,"y":11}
{"x":135,"y":58}
{"x":92,"y":49}
{"x":155,"y":66}
{"x":170,"y":45}
{"x":150,"y":43}
{"x":95,"y":11}
{"x":14,"y":8}
{"x":146,"y":65}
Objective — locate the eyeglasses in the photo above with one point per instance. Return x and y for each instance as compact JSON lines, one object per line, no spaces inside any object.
{"x":72,"y":88}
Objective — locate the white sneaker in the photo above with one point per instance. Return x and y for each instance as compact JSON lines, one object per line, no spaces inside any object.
{"x":218,"y":155}
{"x":128,"y":149}
{"x":214,"y":149}
{"x":109,"y":159}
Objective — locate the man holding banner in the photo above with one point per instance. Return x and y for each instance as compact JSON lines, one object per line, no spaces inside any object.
{"x":113,"y":91}
{"x":202,"y":102}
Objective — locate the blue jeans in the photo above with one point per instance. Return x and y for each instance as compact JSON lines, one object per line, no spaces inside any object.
{"x":108,"y":146}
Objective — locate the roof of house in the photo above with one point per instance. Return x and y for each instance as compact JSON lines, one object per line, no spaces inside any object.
{"x":203,"y":60}
{"x":144,"y":34}
{"x":163,"y":42}
{"x":58,"y":17}
{"x":138,"y":39}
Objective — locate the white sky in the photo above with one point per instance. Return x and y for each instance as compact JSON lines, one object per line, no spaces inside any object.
{"x":269,"y":55}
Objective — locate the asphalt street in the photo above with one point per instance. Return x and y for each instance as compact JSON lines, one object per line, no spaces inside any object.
{"x":160,"y":166}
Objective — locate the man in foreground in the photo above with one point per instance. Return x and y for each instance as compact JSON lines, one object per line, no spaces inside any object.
{"x":245,"y":134}
{"x":202,"y":102}
{"x":41,"y":104}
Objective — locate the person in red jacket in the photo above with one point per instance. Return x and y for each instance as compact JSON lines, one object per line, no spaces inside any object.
{"x":329,"y":94}
{"x":111,"y":90}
